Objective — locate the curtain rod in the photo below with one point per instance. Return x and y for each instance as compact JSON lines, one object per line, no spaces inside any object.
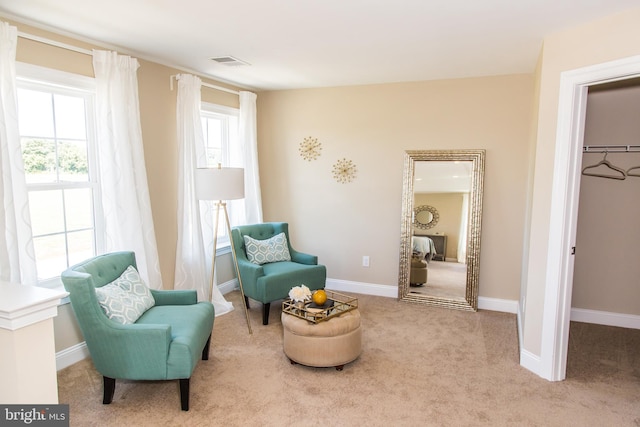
{"x":210,"y":86}
{"x":611,"y":149}
{"x":54,"y":43}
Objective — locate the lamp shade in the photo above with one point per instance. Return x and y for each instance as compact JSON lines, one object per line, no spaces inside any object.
{"x":219,"y":183}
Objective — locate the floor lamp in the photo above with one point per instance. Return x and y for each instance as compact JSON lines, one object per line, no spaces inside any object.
{"x":221,"y":184}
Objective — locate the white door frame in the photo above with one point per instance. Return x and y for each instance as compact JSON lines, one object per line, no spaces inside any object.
{"x":572,"y":108}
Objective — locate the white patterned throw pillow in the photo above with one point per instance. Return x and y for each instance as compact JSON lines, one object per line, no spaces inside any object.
{"x":273,"y":249}
{"x":125,"y":299}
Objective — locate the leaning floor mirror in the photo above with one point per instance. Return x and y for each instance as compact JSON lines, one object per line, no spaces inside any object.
{"x":440,"y":230}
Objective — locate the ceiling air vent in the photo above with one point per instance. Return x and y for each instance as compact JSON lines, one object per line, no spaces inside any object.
{"x":229,"y":61}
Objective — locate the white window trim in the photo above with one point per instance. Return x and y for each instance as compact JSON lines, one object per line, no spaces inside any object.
{"x":35,"y":73}
{"x":221,"y":109}
{"x":28,"y":75}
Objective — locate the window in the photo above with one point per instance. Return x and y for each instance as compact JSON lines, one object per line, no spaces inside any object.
{"x":220,"y":130}
{"x":56,"y":125}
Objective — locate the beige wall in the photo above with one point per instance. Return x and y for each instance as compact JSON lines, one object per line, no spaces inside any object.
{"x":449,"y":207}
{"x":373,"y":126}
{"x":601,"y":41}
{"x":65,"y":327}
{"x":607,"y":251}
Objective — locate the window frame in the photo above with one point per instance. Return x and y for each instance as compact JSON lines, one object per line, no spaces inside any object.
{"x":33,"y":77}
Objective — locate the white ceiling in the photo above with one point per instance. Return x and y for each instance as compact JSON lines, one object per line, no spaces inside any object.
{"x":320,"y":43}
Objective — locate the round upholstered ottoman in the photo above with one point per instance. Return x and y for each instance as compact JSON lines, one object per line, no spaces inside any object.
{"x":333,"y":342}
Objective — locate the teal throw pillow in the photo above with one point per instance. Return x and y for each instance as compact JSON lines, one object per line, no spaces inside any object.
{"x":125,"y":299}
{"x":273,"y":249}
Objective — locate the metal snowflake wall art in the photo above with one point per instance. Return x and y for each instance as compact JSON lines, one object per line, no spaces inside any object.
{"x":344,"y":171}
{"x":310,"y":148}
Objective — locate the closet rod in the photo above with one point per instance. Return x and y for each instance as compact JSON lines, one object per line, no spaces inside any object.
{"x":54,"y":43}
{"x":611,"y":149}
{"x":210,"y":86}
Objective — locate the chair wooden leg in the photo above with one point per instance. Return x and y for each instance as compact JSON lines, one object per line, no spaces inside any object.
{"x":205,"y":350}
{"x":265,"y":313}
{"x":246,"y":300}
{"x":184,"y":393}
{"x":109,"y":385}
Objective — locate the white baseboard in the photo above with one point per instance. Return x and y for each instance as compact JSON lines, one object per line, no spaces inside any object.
{"x":495,"y":304}
{"x":71,"y":355}
{"x":621,"y":320}
{"x":530,"y":362}
{"x":492,"y":304}
{"x":228,"y":286}
{"x":362,"y":288}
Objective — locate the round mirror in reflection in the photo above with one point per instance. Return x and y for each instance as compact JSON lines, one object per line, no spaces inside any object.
{"x":425,"y":217}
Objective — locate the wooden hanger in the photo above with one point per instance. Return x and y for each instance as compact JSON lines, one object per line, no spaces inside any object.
{"x":604,"y":162}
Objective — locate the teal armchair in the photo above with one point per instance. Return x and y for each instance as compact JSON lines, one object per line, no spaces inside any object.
{"x":164,"y":343}
{"x":272,"y":281}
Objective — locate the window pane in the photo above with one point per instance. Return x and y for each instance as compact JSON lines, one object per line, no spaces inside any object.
{"x":50,"y":256}
{"x":214,"y":157}
{"x":70,"y":117}
{"x":72,"y":161}
{"x":213,"y":135}
{"x":80,"y":246}
{"x":35,"y":113}
{"x":234,"y":147}
{"x":46,"y":212}
{"x":39,"y":159}
{"x":78,"y":208}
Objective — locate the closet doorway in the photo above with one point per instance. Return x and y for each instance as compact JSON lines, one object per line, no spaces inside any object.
{"x":567,"y":169}
{"x":605,"y":298}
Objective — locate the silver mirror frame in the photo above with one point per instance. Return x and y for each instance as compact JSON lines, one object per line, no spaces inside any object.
{"x":477,"y":157}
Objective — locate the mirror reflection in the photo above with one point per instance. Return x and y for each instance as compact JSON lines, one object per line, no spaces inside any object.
{"x":442,"y":207}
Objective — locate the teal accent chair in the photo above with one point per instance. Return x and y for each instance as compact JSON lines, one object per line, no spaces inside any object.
{"x":164,"y":343}
{"x":270,"y":282}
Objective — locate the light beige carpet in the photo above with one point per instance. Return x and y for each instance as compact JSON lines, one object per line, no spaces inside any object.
{"x":444,"y":280}
{"x":420,"y":366}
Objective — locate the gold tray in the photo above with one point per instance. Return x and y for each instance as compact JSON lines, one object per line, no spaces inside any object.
{"x":341,"y":304}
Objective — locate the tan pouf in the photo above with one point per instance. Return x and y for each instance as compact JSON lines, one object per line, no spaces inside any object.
{"x":333,"y":342}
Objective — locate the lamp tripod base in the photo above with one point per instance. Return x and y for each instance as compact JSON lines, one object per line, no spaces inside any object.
{"x":223,"y":205}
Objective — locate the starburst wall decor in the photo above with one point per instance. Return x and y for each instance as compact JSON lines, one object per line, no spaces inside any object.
{"x":310,"y":148}
{"x":344,"y":171}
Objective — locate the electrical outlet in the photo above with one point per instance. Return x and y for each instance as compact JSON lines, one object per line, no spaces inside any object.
{"x":365,"y":261}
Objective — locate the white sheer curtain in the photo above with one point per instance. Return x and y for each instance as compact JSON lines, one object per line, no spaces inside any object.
{"x":464,"y":225}
{"x":125,"y":194}
{"x":249,"y":143}
{"x":17,"y":257}
{"x":193,"y":262}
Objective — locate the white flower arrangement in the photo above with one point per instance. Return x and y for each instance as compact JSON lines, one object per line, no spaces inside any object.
{"x":300,"y":293}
